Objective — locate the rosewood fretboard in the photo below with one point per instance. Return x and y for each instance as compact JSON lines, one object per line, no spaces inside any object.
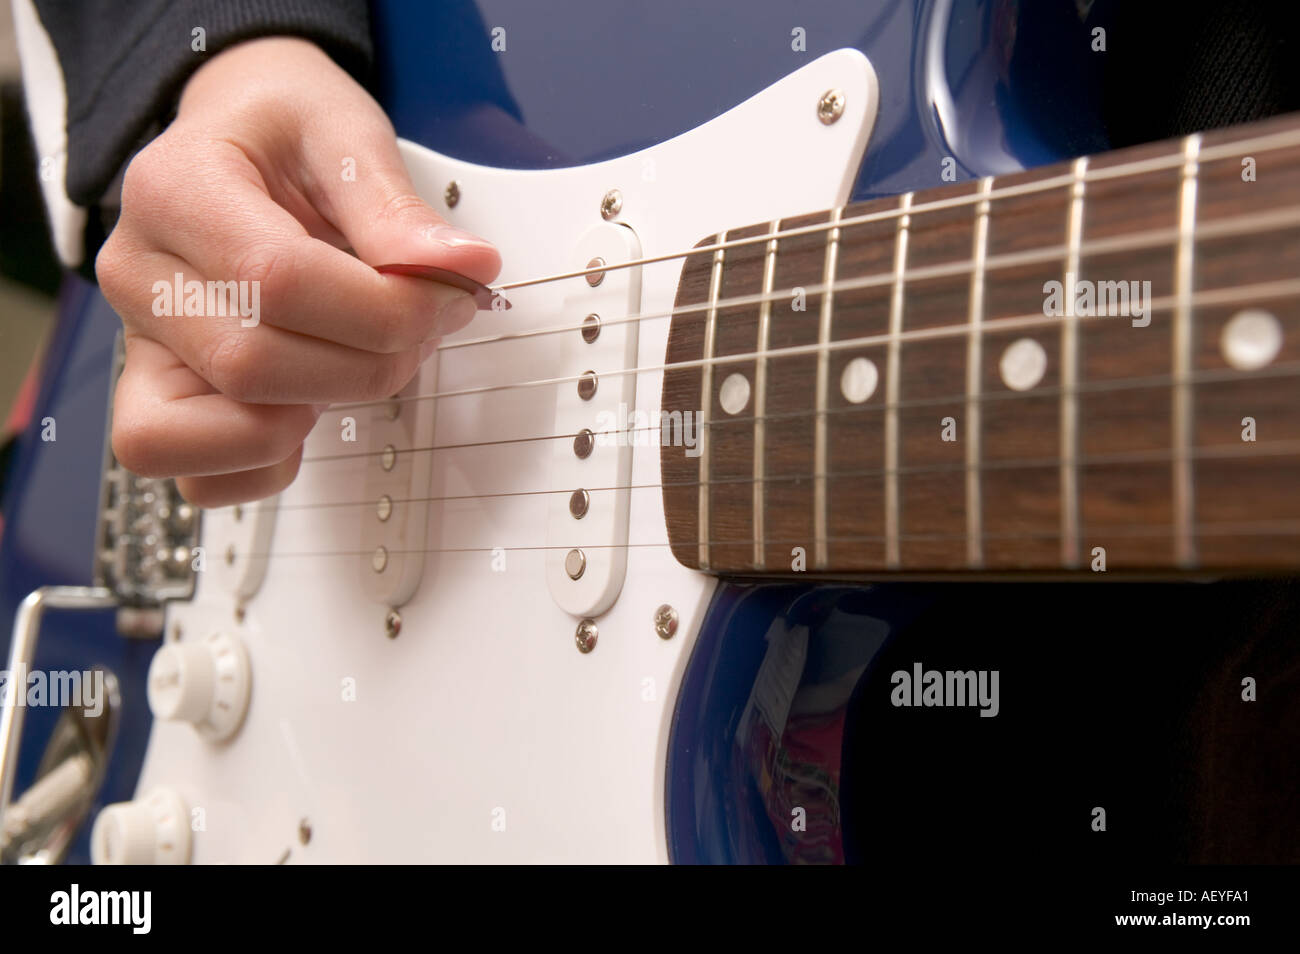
{"x":886,"y":426}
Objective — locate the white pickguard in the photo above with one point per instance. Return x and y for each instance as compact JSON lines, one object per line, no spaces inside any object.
{"x":482,"y":715}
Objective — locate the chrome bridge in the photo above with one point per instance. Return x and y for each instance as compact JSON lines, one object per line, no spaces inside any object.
{"x":146,"y":553}
{"x":146,"y":538}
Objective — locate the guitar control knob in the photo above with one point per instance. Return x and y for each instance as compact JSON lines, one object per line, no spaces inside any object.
{"x":205,"y":683}
{"x":154,"y":830}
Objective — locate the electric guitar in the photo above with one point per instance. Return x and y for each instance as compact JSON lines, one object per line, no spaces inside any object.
{"x":819,"y":368}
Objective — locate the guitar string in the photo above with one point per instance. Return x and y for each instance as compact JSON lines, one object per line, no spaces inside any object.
{"x":1208,"y":154}
{"x":1274,"y":289}
{"x":1212,"y":297}
{"x":1156,"y":237}
{"x":1243,"y":529}
{"x":1279,"y":448}
{"x":1151,"y":238}
{"x":1210,"y":376}
{"x":1272,"y":448}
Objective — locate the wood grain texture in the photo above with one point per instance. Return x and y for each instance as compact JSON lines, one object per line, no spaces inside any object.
{"x":1245,"y":512}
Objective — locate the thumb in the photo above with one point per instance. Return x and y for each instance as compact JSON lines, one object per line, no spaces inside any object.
{"x":374,"y":204}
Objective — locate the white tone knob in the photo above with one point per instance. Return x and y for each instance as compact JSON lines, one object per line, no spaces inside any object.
{"x":154,"y":830}
{"x":205,"y":683}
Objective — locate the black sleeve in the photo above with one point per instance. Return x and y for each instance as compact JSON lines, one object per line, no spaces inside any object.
{"x":125,"y":61}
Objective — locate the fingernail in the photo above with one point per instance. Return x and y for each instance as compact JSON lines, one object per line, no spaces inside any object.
{"x":453,"y":237}
{"x":456,"y":314}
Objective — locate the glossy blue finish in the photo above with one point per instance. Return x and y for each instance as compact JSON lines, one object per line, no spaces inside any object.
{"x":50,"y":508}
{"x":576,"y":84}
{"x":599,"y":80}
{"x":731,"y":784}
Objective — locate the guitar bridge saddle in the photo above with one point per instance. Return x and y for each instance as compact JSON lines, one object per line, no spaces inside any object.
{"x":146,"y":536}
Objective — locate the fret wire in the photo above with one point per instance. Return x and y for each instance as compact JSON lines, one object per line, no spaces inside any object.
{"x":1289,"y":216}
{"x":893,"y":362}
{"x":1232,"y":150}
{"x":1070,"y":552}
{"x":1278,"y":448}
{"x":760,"y":395}
{"x":706,"y":399}
{"x":974,"y":368}
{"x":1183,"y":500}
{"x":821,"y":555}
{"x":1111,"y":385}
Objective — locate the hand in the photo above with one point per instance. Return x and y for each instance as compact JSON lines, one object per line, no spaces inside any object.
{"x":249,"y":184}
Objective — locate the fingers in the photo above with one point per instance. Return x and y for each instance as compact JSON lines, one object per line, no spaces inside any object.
{"x":227,"y":489}
{"x":377,"y":207}
{"x":260,"y":364}
{"x":231,"y":269}
{"x":253,"y":247}
{"x":167,"y":422}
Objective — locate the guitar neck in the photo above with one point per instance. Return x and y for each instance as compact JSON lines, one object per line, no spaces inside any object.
{"x":1084,"y":366}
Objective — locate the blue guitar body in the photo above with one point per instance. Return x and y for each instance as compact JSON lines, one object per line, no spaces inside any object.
{"x":600,"y":80}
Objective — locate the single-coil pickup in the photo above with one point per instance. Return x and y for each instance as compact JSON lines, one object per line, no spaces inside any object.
{"x":592,"y":463}
{"x":395,"y":515}
{"x":237,"y":545}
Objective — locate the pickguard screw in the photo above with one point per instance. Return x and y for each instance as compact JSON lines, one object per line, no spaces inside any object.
{"x":304,"y":831}
{"x":452,"y":194}
{"x":587,"y":385}
{"x":591,"y":328}
{"x":586,"y":636}
{"x":393,"y":624}
{"x":665,"y":621}
{"x":595,"y":278}
{"x":611,"y":205}
{"x":583,"y":442}
{"x":379,"y":560}
{"x":831,"y":106}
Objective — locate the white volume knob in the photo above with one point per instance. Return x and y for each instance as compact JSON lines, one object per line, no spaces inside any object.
{"x":154,"y":830}
{"x":205,"y":683}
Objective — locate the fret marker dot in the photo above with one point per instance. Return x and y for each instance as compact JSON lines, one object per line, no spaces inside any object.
{"x":858,"y":382}
{"x":734,"y":394}
{"x":1023,"y":364}
{"x":1251,"y":339}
